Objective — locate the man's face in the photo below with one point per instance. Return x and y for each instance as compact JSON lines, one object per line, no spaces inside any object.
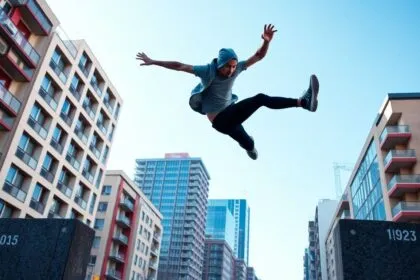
{"x":229,"y":68}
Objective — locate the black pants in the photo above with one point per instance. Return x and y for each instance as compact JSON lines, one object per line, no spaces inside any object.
{"x":229,"y":121}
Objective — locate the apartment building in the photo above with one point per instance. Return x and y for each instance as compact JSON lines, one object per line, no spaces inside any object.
{"x":128,"y":231}
{"x":58,"y":114}
{"x":385,"y":182}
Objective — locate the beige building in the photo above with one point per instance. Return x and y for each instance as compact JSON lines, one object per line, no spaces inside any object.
{"x":385,"y":182}
{"x":128,"y":232}
{"x":58,"y":113}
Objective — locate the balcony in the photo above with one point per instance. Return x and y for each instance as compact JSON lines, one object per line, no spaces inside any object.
{"x":37,"y":206}
{"x":123,"y":221}
{"x":48,"y":98}
{"x":96,"y":88}
{"x":57,"y":70}
{"x":47,"y":175}
{"x":401,"y":184}
{"x":34,"y":17}
{"x":120,"y":238}
{"x":37,"y":127}
{"x":57,"y":146}
{"x":127,"y":205}
{"x":406,"y":211}
{"x":394,"y":135}
{"x":16,"y":39}
{"x":9,"y":102}
{"x":66,"y":118}
{"x":397,"y":159}
{"x":82,"y":136}
{"x":87,"y":175}
{"x":95,"y":151}
{"x":75,"y":92}
{"x":82,"y":203}
{"x":14,"y":67}
{"x":26,"y":158}
{"x":113,"y":274}
{"x":73,"y":161}
{"x":89,"y":110}
{"x":153,"y":265}
{"x":54,"y":215}
{"x":14,"y":191}
{"x":102,"y":127}
{"x":64,"y":189}
{"x":117,"y":257}
{"x":6,"y":123}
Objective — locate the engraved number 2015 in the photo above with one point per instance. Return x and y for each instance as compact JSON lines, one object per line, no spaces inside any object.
{"x":401,"y":235}
{"x":7,"y":240}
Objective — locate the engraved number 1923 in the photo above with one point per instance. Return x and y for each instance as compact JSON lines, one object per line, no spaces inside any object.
{"x":401,"y":235}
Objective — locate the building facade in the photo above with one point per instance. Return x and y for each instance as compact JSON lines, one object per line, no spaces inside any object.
{"x":58,"y":113}
{"x":220,"y":224}
{"x":128,"y":231}
{"x":218,"y":260}
{"x":178,"y":186}
{"x":385,"y":182}
{"x":241,"y":213}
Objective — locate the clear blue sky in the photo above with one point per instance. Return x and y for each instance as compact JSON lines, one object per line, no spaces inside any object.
{"x":360,"y":51}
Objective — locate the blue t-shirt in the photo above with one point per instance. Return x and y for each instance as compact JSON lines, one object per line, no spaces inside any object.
{"x":218,"y":94}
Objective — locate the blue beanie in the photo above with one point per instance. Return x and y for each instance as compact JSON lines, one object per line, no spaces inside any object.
{"x":225,"y":55}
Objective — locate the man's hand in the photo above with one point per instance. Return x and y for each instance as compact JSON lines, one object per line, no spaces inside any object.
{"x":146,"y":60}
{"x":268,"y":33}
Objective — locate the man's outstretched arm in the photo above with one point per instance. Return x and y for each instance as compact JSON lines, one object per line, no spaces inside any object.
{"x":267,"y":36}
{"x":173,"y":65}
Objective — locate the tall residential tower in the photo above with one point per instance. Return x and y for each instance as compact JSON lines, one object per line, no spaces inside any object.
{"x":178,"y":186}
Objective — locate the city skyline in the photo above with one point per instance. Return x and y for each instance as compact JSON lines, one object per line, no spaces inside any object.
{"x":368,"y":51}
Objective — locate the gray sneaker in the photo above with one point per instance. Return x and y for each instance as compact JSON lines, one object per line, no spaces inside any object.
{"x":311,"y":95}
{"x":253,"y":154}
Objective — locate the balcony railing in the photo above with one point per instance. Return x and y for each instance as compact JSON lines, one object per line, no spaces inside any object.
{"x":95,"y":151}
{"x":36,"y":19}
{"x":96,"y":87}
{"x":47,"y":175}
{"x":9,"y":100}
{"x":85,"y":71}
{"x":127,"y":204}
{"x":75,"y":92}
{"x":55,"y":215}
{"x":66,"y":118}
{"x":37,"y":206}
{"x":89,"y":110}
{"x":87,"y":175}
{"x":64,"y":189}
{"x":117,"y":256}
{"x":15,"y":191}
{"x":82,"y":136}
{"x":396,"y":159}
{"x":15,"y":67}
{"x":6,"y":122}
{"x":18,"y":39}
{"x":123,"y":220}
{"x":54,"y":143}
{"x":48,"y":98}
{"x":39,"y":128}
{"x":394,"y":135}
{"x":101,"y":127}
{"x":58,"y":71}
{"x":73,"y":161}
{"x":113,"y":274}
{"x":121,"y":237}
{"x":26,"y":158}
{"x":82,"y":203}
{"x":406,"y":206}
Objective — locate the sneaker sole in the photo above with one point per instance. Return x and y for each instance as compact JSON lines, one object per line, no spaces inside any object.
{"x":315,"y":90}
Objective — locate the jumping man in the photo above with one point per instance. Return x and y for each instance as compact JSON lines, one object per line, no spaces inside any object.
{"x":213,"y":95}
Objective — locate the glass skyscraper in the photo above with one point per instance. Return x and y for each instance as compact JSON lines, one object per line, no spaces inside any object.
{"x":241,"y":213}
{"x":220,"y":224}
{"x":178,"y":186}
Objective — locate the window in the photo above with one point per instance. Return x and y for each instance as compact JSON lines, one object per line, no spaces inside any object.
{"x":102,"y":206}
{"x":36,"y":195}
{"x":96,"y":242}
{"x":66,"y":108}
{"x":57,"y":134}
{"x":14,"y":177}
{"x":46,"y":85}
{"x":36,"y":114}
{"x":106,"y":190}
{"x":99,"y":224}
{"x":25,"y":144}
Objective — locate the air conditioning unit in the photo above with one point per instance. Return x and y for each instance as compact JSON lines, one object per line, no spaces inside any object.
{"x":10,"y":27}
{"x":3,"y":47}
